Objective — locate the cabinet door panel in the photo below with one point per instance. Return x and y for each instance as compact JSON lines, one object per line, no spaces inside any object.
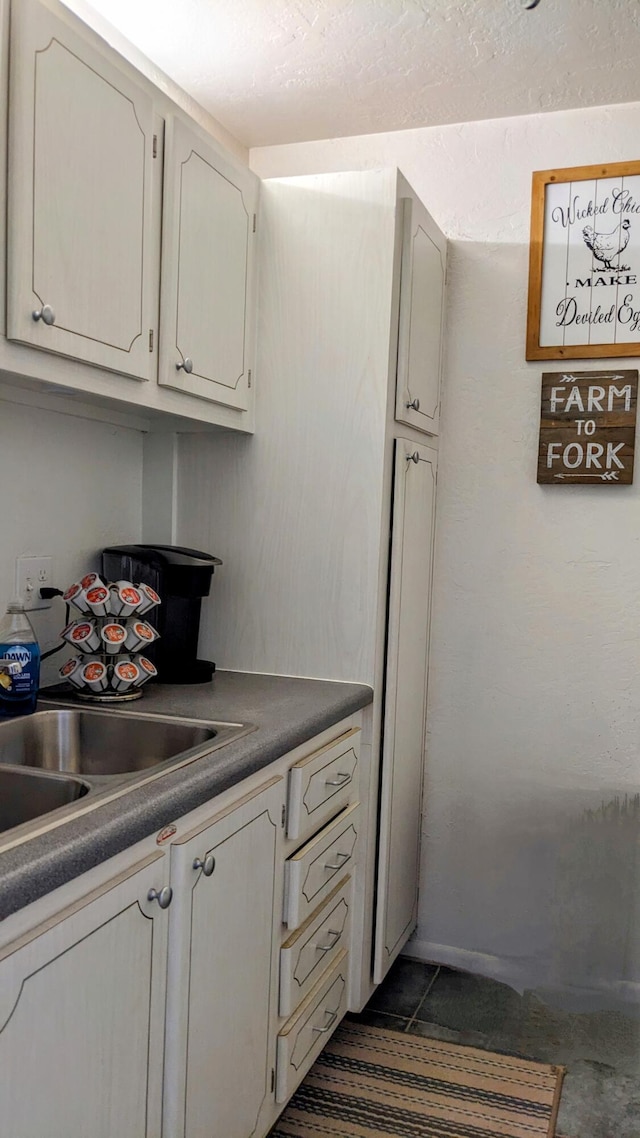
{"x":207,"y":270}
{"x":81,"y":142}
{"x":421,"y":319}
{"x":223,"y":979}
{"x":405,"y":699}
{"x":81,"y":1017}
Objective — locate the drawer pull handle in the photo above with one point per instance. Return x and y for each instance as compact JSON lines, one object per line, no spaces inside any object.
{"x":339,"y":780}
{"x":336,"y":937}
{"x":332,"y":1019}
{"x":207,"y":865}
{"x":342,"y":857}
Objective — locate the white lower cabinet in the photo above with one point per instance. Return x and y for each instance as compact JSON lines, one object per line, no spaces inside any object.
{"x":223,"y":970}
{"x":403,"y":742}
{"x":82,"y":998}
{"x":160,"y":995}
{"x":304,"y":1036}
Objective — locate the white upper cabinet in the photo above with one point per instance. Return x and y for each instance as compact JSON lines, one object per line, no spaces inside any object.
{"x":80,"y":238}
{"x":421,"y":318}
{"x":206,"y":339}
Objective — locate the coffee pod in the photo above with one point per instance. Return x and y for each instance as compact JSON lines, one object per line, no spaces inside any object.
{"x":139,"y":634}
{"x":72,"y":671}
{"x":125,"y":675}
{"x":97,"y":598}
{"x":82,"y":634}
{"x":125,"y":598}
{"x":91,"y":579}
{"x":113,"y":636}
{"x":75,"y":596}
{"x":149,"y":598}
{"x":146,"y":669}
{"x":95,"y":675}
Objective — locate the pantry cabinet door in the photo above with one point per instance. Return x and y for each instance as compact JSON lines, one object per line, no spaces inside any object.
{"x":207,"y":302}
{"x":405,"y":700}
{"x":420,"y":334}
{"x":80,"y":265}
{"x":82,"y":1016}
{"x":222,"y":1003}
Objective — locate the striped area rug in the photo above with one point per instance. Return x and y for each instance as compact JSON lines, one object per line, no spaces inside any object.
{"x":374,"y":1083}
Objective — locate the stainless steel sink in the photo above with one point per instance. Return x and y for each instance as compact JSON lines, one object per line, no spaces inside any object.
{"x":27,"y":794}
{"x":92,"y":742}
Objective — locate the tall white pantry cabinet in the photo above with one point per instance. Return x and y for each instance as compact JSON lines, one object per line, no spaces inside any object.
{"x":325,"y":522}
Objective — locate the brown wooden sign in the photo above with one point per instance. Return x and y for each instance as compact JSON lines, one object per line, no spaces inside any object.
{"x":588,"y":427}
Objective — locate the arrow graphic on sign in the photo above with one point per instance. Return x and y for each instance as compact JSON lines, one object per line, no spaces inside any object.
{"x":612,"y":476}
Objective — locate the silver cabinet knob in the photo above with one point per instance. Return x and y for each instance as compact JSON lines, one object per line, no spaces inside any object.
{"x":186,"y":364}
{"x":163,"y":896}
{"x":414,"y":405}
{"x":46,"y":314}
{"x":415,"y":457}
{"x":207,"y":866}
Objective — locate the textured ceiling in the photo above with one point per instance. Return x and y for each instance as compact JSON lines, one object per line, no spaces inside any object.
{"x":275,"y":71}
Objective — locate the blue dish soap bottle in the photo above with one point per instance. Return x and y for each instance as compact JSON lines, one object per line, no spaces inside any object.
{"x":19,"y":662}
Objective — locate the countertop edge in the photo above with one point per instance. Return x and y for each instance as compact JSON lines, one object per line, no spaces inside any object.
{"x":287,"y":713}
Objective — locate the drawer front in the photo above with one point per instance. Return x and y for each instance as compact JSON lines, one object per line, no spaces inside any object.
{"x":322,"y":784}
{"x":308,"y":952}
{"x":313,"y":871}
{"x":304,"y":1036}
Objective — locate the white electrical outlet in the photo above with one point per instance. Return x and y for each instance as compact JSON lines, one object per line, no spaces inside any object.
{"x":32,"y":574}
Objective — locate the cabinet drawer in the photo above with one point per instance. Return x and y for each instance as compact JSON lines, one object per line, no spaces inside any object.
{"x":321,"y":784}
{"x":304,"y":1036}
{"x":308,"y":952}
{"x":313,"y":871}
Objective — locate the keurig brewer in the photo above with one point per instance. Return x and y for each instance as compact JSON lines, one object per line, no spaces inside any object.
{"x":181,"y":577}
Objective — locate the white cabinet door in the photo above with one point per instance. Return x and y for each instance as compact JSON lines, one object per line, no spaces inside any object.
{"x":207,"y":305}
{"x":82,"y":1016}
{"x":79,"y":205}
{"x":420,"y":332}
{"x":405,"y":699}
{"x":224,"y":940}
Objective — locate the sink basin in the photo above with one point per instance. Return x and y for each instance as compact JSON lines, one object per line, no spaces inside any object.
{"x":88,"y":742}
{"x":27,"y":794}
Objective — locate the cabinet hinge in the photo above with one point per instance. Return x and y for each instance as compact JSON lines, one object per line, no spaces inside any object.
{"x":151,"y":339}
{"x":155,"y":146}
{"x":255,"y":222}
{"x":249,"y":378}
{"x":283,"y":816}
{"x":273,"y":1079}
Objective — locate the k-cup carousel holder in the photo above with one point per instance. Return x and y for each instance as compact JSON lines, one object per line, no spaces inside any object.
{"x":110,"y":635}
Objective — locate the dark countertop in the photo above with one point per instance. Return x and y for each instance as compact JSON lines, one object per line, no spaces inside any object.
{"x":286,"y":712}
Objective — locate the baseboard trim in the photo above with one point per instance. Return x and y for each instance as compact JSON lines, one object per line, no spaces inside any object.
{"x":607,"y":994}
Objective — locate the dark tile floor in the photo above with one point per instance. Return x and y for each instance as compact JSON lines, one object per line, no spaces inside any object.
{"x":601,"y":1051}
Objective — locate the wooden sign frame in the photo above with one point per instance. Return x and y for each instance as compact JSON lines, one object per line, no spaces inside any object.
{"x":584,"y":263}
{"x":587,"y":428}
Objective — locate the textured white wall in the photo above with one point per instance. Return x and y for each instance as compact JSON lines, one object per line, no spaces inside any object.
{"x":70,"y":486}
{"x":535,"y":680}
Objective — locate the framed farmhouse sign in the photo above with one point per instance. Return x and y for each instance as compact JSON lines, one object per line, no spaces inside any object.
{"x":588,"y":427}
{"x":584,"y":263}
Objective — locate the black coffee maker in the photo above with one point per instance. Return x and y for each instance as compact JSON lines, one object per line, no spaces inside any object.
{"x":181,"y":577}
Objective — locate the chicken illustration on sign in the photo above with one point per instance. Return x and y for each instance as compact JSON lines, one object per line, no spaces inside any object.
{"x":584,"y":274}
{"x":587,"y":427}
{"x":607,"y":246}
